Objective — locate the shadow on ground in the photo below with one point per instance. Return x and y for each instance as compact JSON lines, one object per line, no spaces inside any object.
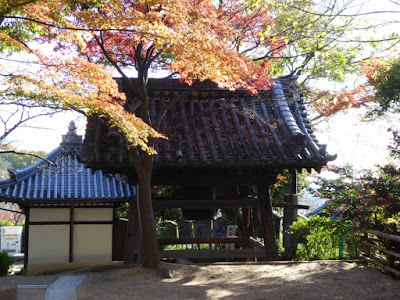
{"x":311,"y":280}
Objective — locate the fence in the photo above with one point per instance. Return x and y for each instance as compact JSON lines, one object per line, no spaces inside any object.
{"x":381,"y":249}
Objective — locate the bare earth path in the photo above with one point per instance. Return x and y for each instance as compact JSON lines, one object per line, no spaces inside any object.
{"x":309,"y":280}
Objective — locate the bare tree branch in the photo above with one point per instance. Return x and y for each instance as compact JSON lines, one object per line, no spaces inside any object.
{"x":28,"y":154}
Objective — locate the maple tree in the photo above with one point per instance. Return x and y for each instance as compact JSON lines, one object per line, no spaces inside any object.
{"x":380,"y":91}
{"x":90,"y":38}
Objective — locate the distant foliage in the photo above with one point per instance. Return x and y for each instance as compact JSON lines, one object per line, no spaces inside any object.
{"x":283,"y":183}
{"x":366,"y":198}
{"x":4,"y":165}
{"x":384,"y":78}
{"x":394,"y":146}
{"x":16,"y":161}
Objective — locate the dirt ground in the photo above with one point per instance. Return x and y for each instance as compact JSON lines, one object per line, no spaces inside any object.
{"x":308,"y":280}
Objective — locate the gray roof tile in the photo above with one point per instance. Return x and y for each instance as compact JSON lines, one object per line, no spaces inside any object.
{"x":66,"y":180}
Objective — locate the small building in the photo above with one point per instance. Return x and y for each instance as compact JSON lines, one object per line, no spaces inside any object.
{"x":70,"y":209}
{"x":220,"y":145}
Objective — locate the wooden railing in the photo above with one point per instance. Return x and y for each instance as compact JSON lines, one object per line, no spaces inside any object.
{"x":381,"y":249}
{"x":211,"y":253}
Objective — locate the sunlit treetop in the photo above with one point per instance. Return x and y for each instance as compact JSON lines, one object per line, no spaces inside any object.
{"x":189,"y":38}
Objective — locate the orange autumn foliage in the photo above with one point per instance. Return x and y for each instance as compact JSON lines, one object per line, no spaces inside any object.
{"x":328,"y":103}
{"x":188,"y":37}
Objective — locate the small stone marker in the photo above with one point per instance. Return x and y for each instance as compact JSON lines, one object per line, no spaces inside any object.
{"x":219,"y":228}
{"x":170,"y":230}
{"x":202,"y":228}
{"x":185,"y":229}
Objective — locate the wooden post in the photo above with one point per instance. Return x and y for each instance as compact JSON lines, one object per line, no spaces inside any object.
{"x":71,"y":233}
{"x":246,"y":230}
{"x":289,"y":216}
{"x":114,"y":231}
{"x":267,"y":224}
{"x":390,"y":260}
{"x":26,"y":239}
{"x":367,"y":249}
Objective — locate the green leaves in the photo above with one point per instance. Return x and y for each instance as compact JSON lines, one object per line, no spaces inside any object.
{"x":316,"y":35}
{"x":384,"y":77}
{"x":319,"y":237}
{"x":369,"y":199}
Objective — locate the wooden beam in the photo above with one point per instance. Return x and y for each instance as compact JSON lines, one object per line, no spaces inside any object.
{"x":386,"y":268}
{"x":68,"y":222}
{"x":208,"y":176}
{"x":388,"y":252}
{"x":63,"y":202}
{"x":202,"y":240}
{"x":382,"y":235}
{"x":223,"y":253}
{"x":204,"y":204}
{"x":290,"y":205}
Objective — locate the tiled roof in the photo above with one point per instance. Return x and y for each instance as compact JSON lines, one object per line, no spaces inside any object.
{"x":65,"y":181}
{"x":212,"y":128}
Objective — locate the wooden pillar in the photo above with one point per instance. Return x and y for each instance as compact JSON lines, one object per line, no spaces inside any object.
{"x":289,"y":216}
{"x":133,"y":245}
{"x":71,"y":233}
{"x":267,"y":224}
{"x":293,"y":183}
{"x":246,"y":229}
{"x":26,"y":239}
{"x":114,"y":228}
{"x":367,"y":249}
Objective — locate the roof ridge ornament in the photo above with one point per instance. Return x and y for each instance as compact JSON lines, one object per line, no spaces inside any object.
{"x":72,"y":136}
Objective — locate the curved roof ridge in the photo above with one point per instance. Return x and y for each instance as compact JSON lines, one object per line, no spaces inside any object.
{"x":54,"y":182}
{"x":290,"y":121}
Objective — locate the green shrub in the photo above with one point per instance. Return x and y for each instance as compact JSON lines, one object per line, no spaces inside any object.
{"x":5,"y":262}
{"x":322,"y":238}
{"x":6,"y":223}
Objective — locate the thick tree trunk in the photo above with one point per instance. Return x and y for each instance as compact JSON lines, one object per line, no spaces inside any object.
{"x":144,"y":167}
{"x":143,"y":163}
{"x":133,"y":246}
{"x":150,"y":243}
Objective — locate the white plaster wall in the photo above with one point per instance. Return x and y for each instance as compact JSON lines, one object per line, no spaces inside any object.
{"x":48,"y":214}
{"x":93,"y":243}
{"x":48,"y":244}
{"x":93,"y":214}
